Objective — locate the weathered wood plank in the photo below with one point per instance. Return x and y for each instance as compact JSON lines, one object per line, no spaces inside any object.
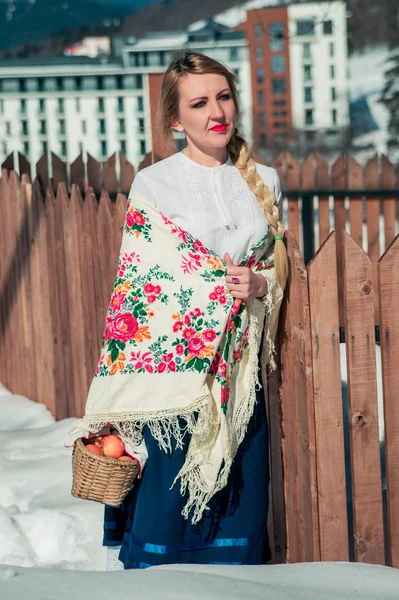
{"x":372,"y":181}
{"x":388,"y":287}
{"x":330,"y":452}
{"x":363,"y":408}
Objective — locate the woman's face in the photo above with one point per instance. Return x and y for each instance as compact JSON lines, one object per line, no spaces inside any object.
{"x":206,"y":110}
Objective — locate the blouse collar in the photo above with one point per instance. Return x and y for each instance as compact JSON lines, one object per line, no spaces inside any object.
{"x":228,"y":162}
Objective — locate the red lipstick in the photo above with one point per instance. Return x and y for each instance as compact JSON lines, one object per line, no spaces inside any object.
{"x":219,"y":128}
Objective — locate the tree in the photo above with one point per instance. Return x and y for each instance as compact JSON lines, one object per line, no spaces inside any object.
{"x":390,"y":98}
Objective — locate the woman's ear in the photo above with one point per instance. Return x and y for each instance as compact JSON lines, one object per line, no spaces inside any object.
{"x":177,"y":125}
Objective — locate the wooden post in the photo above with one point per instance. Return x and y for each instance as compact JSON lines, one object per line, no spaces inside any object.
{"x":298,"y":425}
{"x":388,"y":280}
{"x":363,"y":408}
{"x":330,"y":451}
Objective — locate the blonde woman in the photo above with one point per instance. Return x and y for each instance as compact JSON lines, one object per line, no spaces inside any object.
{"x":193,"y":388}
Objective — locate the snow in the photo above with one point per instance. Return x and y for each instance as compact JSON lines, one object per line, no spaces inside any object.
{"x":50,"y":542}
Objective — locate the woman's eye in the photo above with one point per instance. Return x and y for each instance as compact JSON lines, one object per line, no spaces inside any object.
{"x":199,"y":104}
{"x":225,"y":97}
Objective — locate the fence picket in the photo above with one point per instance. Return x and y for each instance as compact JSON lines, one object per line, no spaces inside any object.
{"x":363,"y":409}
{"x":330,"y":452}
{"x":78,"y":173}
{"x":126,"y":174}
{"x":371,"y":176}
{"x":389,"y":204}
{"x":388,"y":277}
{"x":301,"y":453}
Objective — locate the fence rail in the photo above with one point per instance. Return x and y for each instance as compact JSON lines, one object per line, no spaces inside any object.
{"x":335,"y":490}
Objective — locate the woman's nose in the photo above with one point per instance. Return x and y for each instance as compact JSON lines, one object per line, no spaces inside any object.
{"x":216,"y":112}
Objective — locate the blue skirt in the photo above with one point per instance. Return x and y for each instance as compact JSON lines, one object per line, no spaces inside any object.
{"x":149,"y":526}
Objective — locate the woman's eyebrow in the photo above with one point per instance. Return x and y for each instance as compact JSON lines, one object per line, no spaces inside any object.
{"x":206,"y":97}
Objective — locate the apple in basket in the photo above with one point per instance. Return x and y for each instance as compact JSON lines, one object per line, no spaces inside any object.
{"x":125,"y":457}
{"x":113,"y":446}
{"x":94,"y":449}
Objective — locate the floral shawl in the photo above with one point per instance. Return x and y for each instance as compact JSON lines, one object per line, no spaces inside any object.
{"x":179,"y":353}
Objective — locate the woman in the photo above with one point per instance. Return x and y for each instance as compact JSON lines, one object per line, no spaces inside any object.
{"x":202,"y":412}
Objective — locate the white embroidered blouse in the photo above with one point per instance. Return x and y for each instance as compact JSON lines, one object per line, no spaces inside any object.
{"x":214,"y":204}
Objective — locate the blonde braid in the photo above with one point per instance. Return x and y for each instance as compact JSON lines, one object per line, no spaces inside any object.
{"x":239,"y":151}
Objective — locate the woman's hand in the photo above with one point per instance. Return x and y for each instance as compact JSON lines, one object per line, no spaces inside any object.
{"x":242,"y":282}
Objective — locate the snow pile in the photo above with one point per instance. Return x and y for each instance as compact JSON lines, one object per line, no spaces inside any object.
{"x":307,"y":581}
{"x":41,"y":524}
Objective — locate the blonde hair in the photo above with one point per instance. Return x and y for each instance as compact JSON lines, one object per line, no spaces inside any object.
{"x":187,"y":61}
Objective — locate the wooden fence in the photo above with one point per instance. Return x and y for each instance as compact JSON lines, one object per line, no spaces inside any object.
{"x":58,"y":256}
{"x":318,"y":197}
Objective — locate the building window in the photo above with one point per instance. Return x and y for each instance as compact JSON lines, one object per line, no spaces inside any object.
{"x":276,"y":35}
{"x":77,"y":102}
{"x":333,"y":94}
{"x":331,"y":49}
{"x":8,"y":128}
{"x":261,"y":98}
{"x":64,"y":149}
{"x":84,"y":127}
{"x":61,"y":124}
{"x":122,"y":128}
{"x":61,"y":105}
{"x":103,"y":148}
{"x":123,"y":147}
{"x":80,"y":147}
{"x":262,"y":120}
{"x":262,"y":140}
{"x":280,"y":113}
{"x":260,"y":76}
{"x":142,"y":147}
{"x":234,"y":54}
{"x":26,"y":148}
{"x":259,"y":53}
{"x":334,"y":116}
{"x":121,"y":105}
{"x":278,"y":64}
{"x":278,"y":102}
{"x":258,"y":31}
{"x":306,"y":50}
{"x":140,"y":124}
{"x":23,"y":107}
{"x":101,"y":126}
{"x":327,"y":27}
{"x":305,"y":27}
{"x":42,"y":127}
{"x":280,"y":124}
{"x":332,"y":71}
{"x":309,"y":116}
{"x":44,"y":148}
{"x":308,"y":96}
{"x":100,"y":106}
{"x":42,"y":105}
{"x":1,"y":106}
{"x":140,"y":103}
{"x":307,"y":72}
{"x":24,"y":127}
{"x":278,"y":86}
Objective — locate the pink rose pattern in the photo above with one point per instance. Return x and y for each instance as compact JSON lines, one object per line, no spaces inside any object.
{"x":189,"y":342}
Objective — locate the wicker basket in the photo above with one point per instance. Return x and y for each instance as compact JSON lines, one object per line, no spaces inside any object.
{"x":101,"y":478}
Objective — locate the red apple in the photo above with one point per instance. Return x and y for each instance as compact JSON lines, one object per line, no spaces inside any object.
{"x":94,"y":449}
{"x":113,"y":446}
{"x":125,"y":457}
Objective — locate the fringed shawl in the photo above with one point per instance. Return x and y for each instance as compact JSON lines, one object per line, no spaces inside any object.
{"x":179,"y":353}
